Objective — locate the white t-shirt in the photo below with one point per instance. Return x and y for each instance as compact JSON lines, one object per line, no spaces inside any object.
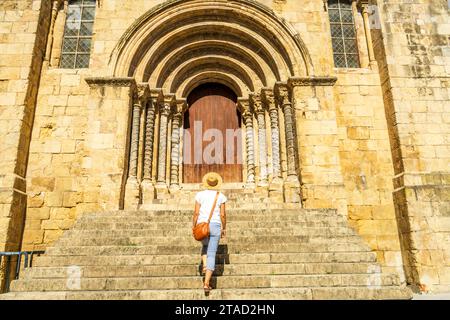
{"x":206,"y":199}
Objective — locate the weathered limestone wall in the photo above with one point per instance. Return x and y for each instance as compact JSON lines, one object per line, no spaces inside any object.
{"x":366,"y":161}
{"x":412,"y":49}
{"x":22,"y":36}
{"x":78,"y":153}
{"x":68,"y":166}
{"x":80,"y":132}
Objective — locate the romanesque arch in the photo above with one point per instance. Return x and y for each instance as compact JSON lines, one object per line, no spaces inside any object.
{"x":242,"y":35}
{"x":180,"y":45}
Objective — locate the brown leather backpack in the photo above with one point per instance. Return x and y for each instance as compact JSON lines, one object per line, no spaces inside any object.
{"x":201,"y":230}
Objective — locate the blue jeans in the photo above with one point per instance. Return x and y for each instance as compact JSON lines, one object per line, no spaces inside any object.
{"x":210,"y":245}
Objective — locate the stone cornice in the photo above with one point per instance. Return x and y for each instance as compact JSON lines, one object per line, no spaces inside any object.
{"x":311,"y":81}
{"x":111,"y":82}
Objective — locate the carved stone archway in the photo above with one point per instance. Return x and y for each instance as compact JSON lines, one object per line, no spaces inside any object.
{"x":242,"y":44}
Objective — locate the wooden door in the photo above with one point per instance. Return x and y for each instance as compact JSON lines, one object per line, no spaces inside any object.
{"x":212,"y":113}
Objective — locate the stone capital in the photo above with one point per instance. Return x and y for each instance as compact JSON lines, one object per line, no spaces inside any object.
{"x":166,"y":105}
{"x":257,"y":104}
{"x":268,"y":97}
{"x":282,"y":93}
{"x":143,"y":92}
{"x":179,"y":107}
{"x":362,"y":5}
{"x":156,"y":97}
{"x":244,"y":106}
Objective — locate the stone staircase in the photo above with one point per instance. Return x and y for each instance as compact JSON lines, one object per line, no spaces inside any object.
{"x":272,"y":251}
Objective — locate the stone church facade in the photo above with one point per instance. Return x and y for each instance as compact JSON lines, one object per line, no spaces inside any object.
{"x":342,"y":104}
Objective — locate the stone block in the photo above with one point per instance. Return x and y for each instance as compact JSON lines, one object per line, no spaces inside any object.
{"x":358,"y":133}
{"x":33,"y":236}
{"x":38,"y":213}
{"x":71,"y":199}
{"x":360,"y":212}
{"x":52,"y":235}
{"x":383,"y":212}
{"x":70,"y":80}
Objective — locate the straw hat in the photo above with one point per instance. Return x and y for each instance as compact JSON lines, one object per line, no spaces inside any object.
{"x":212,"y":180}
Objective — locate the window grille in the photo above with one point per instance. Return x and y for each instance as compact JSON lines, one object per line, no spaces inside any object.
{"x":343,"y":34}
{"x":77,"y":37}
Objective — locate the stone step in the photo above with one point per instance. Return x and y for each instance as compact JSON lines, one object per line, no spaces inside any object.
{"x":232,"y":231}
{"x":293,"y":218}
{"x":188,"y":224}
{"x":188,"y":239}
{"x":235,"y":259}
{"x":192,"y":270}
{"x":264,"y":212}
{"x":311,"y":293}
{"x":190,"y":282}
{"x":265,"y":204}
{"x":192,"y":249}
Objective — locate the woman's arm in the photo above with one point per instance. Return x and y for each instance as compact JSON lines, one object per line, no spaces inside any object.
{"x":223,"y":218}
{"x":196,"y":213}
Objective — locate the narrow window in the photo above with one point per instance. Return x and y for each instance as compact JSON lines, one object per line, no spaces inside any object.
{"x":343,"y":34}
{"x":76,"y":47}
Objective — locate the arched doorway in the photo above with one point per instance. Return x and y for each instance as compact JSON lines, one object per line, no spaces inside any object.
{"x":212,"y":139}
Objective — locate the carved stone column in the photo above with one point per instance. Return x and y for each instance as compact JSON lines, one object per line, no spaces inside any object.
{"x":164,"y":111}
{"x":147,"y":186}
{"x":262,"y":144}
{"x":363,"y":6}
{"x":55,"y":8}
{"x":133,"y":192}
{"x":177,"y":118}
{"x":292,"y":182}
{"x":276,"y":184}
{"x":55,"y":41}
{"x":244,"y":106}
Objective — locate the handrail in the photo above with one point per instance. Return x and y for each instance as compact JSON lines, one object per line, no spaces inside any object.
{"x":27,"y":263}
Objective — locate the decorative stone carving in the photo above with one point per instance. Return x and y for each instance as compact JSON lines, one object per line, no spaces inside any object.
{"x":262,"y":145}
{"x":244,"y":107}
{"x":164,"y":111}
{"x":110,"y":81}
{"x":177,"y":116}
{"x":269,"y":100}
{"x":147,"y":187}
{"x":292,"y":183}
{"x":149,"y":137}
{"x":134,"y":147}
{"x":311,"y":81}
